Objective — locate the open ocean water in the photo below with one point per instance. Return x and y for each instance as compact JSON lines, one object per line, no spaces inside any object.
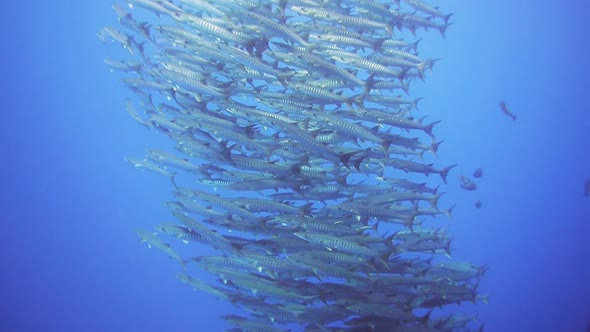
{"x":70,"y":258}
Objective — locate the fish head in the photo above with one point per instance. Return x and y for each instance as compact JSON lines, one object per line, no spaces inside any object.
{"x":102,"y":35}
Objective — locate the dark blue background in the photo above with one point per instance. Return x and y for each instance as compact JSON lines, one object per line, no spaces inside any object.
{"x":69,"y":203}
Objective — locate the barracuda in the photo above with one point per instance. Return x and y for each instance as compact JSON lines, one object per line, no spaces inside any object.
{"x":331,"y":69}
{"x":414,"y":22}
{"x":204,"y":6}
{"x":427,"y":9}
{"x":280,"y":29}
{"x":346,"y":20}
{"x":410,"y":166}
{"x":205,"y":26}
{"x":216,"y":200}
{"x":152,"y":5}
{"x":349,"y":129}
{"x":153,"y":241}
{"x":196,"y":284}
{"x":149,"y":165}
{"x":335,"y":243}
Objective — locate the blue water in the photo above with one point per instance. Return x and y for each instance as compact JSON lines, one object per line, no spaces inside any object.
{"x":72,"y":262}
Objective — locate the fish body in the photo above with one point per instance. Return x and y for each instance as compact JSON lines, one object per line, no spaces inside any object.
{"x":410,"y":166}
{"x":467,"y":184}
{"x":478,"y":173}
{"x":427,"y":9}
{"x":336,"y":243}
{"x":198,"y":285}
{"x":149,"y":165}
{"x":414,"y":22}
{"x":504,"y":108}
{"x":154,"y":6}
{"x":153,"y":241}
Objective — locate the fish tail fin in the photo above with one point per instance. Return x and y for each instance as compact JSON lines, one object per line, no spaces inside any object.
{"x":394,"y":23}
{"x":414,"y":45}
{"x":447,"y":17}
{"x":434,"y":147}
{"x":345,"y":159}
{"x":369,"y":82}
{"x":481,"y":327}
{"x":424,"y":319}
{"x":405,"y":85}
{"x":410,"y":221}
{"x":173,"y":180}
{"x":379,"y":44}
{"x":384,"y":260}
{"x":483,"y":270}
{"x":359,"y":99}
{"x":434,"y":199}
{"x":129,"y":45}
{"x":449,"y":211}
{"x":444,"y":172}
{"x":389,"y":243}
{"x":421,"y":155}
{"x":425,"y":271}
{"x":483,"y":298}
{"x":306,"y":209}
{"x":140,"y":48}
{"x":144,"y":28}
{"x":421,"y":67}
{"x":443,"y":29}
{"x":415,"y":102}
{"x":428,"y":128}
{"x":430,"y":63}
{"x":385,"y":146}
{"x":435,"y":190}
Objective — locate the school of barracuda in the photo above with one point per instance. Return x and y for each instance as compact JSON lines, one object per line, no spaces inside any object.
{"x":298,"y":113}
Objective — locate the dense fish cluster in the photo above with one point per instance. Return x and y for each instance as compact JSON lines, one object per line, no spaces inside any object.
{"x":297,"y":112}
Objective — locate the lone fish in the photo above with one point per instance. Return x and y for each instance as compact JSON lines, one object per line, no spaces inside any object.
{"x":467,"y":184}
{"x":506,"y":111}
{"x":587,"y":188}
{"x":478,"y":173}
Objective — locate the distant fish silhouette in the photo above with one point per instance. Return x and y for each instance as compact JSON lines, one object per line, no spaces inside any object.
{"x":587,"y":190}
{"x":467,"y":184}
{"x":478,"y":206}
{"x":506,"y":111}
{"x":478,"y":173}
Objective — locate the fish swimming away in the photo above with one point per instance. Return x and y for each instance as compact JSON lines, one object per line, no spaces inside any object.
{"x":478,"y":173}
{"x":293,"y":136}
{"x":478,"y":204}
{"x":505,"y":110}
{"x":467,"y":184}
{"x":587,"y":188}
